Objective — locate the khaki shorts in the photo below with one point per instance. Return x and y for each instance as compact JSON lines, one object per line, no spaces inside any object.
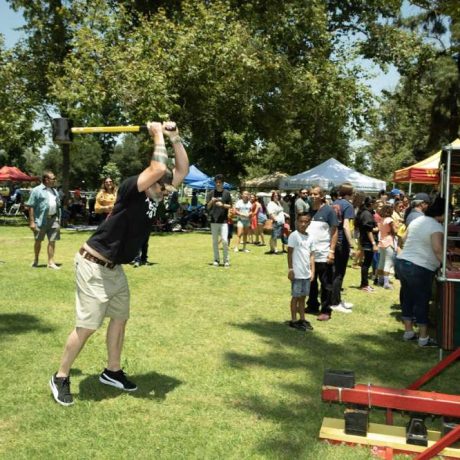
{"x":101,"y":292}
{"x":51,"y":229}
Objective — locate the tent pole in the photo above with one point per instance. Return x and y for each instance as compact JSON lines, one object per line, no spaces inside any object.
{"x":410,"y":188}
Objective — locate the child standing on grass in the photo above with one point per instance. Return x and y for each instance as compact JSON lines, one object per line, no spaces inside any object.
{"x":301,"y":263}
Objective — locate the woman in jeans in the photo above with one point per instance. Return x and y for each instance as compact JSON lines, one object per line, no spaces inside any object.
{"x":416,"y":266}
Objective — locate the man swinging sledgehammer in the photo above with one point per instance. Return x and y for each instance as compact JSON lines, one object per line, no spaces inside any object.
{"x":102,"y":288}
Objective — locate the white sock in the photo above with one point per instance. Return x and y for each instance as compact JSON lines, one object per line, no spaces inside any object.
{"x":424,"y":340}
{"x":409,"y":334}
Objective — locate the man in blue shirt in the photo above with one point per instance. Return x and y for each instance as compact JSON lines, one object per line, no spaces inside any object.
{"x":345,"y":213}
{"x":44,"y":217}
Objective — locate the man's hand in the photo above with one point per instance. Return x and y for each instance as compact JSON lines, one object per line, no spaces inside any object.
{"x":291,"y":274}
{"x":155,"y":128}
{"x":32,"y":226}
{"x":170,"y":129}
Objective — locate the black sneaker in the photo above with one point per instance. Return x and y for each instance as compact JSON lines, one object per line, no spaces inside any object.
{"x":305,"y":325}
{"x":117,"y":379}
{"x":60,"y":387}
{"x":431,"y":343}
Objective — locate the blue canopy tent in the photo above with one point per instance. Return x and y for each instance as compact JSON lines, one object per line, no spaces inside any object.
{"x":197,"y":179}
{"x":195,"y":175}
{"x":207,"y":184}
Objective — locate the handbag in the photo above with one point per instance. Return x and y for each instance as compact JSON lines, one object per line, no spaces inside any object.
{"x":268,"y":225}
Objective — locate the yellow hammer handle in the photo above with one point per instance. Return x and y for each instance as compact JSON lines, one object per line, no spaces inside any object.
{"x":108,"y":129}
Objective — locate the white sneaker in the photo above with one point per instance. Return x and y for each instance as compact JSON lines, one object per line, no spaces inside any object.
{"x":246,"y":250}
{"x":215,"y":263}
{"x":341,"y":308}
{"x":347,"y":304}
{"x":227,"y":264}
{"x":235,"y":250}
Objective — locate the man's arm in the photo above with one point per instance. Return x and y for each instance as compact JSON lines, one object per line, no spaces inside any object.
{"x":291,"y":275}
{"x":158,"y":164}
{"x":312,"y":265}
{"x":437,"y":245}
{"x":31,"y":218}
{"x":181,"y":166}
{"x":334,"y":237}
{"x":347,"y":232}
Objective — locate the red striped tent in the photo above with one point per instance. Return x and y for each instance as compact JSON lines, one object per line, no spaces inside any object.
{"x":425,"y":171}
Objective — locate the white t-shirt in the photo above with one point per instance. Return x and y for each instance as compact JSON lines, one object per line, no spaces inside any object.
{"x":51,"y":202}
{"x":417,"y":248}
{"x":320,"y":230}
{"x":244,"y":208}
{"x":277,"y":211}
{"x":302,"y":245}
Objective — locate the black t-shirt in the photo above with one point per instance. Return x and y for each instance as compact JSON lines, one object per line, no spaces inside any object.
{"x":366,"y":223}
{"x":122,"y":234}
{"x":218,"y":214}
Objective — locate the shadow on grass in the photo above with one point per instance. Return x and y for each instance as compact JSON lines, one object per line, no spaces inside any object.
{"x":21,"y":323}
{"x":152,"y":386}
{"x":381,"y":359}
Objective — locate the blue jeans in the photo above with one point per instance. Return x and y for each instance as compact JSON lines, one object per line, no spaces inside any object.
{"x":416,"y":284}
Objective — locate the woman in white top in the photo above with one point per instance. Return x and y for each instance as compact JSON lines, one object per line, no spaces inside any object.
{"x":416,"y":266}
{"x":276,"y":213}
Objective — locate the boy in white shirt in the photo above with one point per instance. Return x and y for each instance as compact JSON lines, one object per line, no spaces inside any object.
{"x":301,"y":264}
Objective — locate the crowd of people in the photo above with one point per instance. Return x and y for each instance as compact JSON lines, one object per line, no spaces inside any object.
{"x":388,"y":236}
{"x":391,"y":235}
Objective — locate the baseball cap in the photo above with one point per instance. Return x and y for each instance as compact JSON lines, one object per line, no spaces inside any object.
{"x":422,"y":197}
{"x":395,"y":191}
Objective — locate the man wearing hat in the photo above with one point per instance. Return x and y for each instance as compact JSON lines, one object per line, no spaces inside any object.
{"x":102,"y":287}
{"x":418,"y":206}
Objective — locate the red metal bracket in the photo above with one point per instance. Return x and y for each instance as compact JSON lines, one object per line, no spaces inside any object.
{"x":439,"y":445}
{"x":434,"y":371}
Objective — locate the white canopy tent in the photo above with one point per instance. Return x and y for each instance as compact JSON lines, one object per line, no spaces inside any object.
{"x":330,"y":174}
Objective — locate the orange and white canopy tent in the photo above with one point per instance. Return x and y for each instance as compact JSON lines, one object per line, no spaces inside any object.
{"x":425,"y":171}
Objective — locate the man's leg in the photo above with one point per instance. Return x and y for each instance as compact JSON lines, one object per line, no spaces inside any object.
{"x":293,"y":309}
{"x":60,"y":382}
{"x":245,"y":237}
{"x":224,"y":238}
{"x":340,"y":264}
{"x":313,"y":304}
{"x":301,"y":307}
{"x":75,"y":343}
{"x":239,"y":231}
{"x":113,"y":375}
{"x":51,"y":250}
{"x":215,"y":228}
{"x":37,"y":247}
{"x":115,"y":338}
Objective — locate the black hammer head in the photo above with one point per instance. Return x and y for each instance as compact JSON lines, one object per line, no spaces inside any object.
{"x":62,"y":130}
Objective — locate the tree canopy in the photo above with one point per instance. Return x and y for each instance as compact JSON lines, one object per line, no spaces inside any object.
{"x":254,"y":86}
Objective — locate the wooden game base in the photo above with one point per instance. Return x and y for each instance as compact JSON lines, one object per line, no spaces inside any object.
{"x":378,"y":435}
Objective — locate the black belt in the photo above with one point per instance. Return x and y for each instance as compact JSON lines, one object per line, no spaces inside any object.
{"x":96,"y":260}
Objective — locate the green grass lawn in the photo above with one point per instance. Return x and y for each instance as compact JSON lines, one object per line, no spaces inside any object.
{"x":219,"y":374}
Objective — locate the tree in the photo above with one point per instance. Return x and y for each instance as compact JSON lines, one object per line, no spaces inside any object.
{"x":255,"y":84}
{"x":17,"y":115}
